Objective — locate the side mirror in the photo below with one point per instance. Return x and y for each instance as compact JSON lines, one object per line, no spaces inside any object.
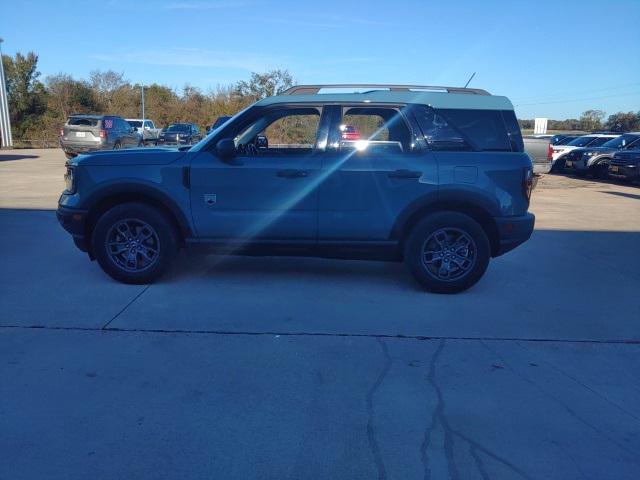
{"x":226,"y":149}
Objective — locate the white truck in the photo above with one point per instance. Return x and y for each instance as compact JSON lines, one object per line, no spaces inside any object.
{"x":146,"y":128}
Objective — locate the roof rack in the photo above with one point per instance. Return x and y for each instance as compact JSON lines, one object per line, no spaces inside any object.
{"x":313,"y":89}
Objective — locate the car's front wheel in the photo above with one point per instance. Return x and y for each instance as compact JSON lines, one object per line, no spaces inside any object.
{"x":134,"y":243}
{"x":447,"y":252}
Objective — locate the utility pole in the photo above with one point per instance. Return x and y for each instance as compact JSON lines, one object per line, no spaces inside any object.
{"x":5,"y":121}
{"x":142,"y":90}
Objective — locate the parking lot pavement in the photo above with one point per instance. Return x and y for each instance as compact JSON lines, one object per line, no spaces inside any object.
{"x":296,"y":368}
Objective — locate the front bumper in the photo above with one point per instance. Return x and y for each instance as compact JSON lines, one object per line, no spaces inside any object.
{"x":628,"y":172}
{"x":173,"y":141}
{"x":74,"y":221}
{"x":513,"y":231}
{"x":579,"y":165}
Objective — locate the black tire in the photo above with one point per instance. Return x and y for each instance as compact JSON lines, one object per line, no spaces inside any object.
{"x":153,"y":254}
{"x":117,"y":146}
{"x":600,"y":170}
{"x":454,"y":226}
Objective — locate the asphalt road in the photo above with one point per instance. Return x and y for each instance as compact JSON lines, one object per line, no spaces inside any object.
{"x":310,"y":368}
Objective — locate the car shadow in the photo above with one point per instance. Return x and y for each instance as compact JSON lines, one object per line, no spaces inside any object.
{"x":587,"y":178}
{"x":10,"y":157}
{"x":623,"y":194}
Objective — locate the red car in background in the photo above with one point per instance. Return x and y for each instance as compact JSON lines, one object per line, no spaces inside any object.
{"x":349,"y":132}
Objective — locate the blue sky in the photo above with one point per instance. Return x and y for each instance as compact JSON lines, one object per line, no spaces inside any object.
{"x":552,"y":58}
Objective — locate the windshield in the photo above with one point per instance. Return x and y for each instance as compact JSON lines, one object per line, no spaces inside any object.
{"x":178,"y":127}
{"x":600,"y":141}
{"x":581,"y":141}
{"x":134,"y":123}
{"x":565,"y":140}
{"x":621,"y":142}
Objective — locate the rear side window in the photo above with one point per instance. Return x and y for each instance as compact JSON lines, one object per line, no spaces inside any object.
{"x":84,"y":122}
{"x":484,"y":129}
{"x":438,"y":133}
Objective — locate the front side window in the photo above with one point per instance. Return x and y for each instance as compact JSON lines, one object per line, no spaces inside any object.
{"x":287,"y":131}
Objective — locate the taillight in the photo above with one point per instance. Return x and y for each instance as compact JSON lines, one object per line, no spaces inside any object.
{"x":103,"y":134}
{"x":527,"y":182}
{"x":550,"y":153}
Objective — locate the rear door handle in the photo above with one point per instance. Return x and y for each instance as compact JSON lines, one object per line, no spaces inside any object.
{"x":404,"y":174}
{"x":292,"y":173}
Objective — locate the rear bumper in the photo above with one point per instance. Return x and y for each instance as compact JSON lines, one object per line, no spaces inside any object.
{"x":77,"y":148}
{"x":74,"y":222}
{"x":513,"y":231}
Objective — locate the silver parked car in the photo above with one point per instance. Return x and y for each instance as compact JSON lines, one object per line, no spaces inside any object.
{"x":86,"y":133}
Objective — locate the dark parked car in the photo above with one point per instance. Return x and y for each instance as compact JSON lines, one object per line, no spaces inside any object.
{"x":439,"y":179}
{"x":562,"y":139}
{"x":626,"y":164}
{"x":180,"y":134}
{"x":86,"y":133}
{"x":219,"y":121}
{"x":595,"y":160}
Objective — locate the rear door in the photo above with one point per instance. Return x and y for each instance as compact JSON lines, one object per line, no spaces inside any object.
{"x":377,"y":166}
{"x":269,"y":190}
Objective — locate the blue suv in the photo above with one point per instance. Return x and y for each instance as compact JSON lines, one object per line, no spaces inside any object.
{"x":436,"y":177}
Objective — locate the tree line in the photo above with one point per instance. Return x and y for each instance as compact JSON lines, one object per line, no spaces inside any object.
{"x":593,"y":120}
{"x":39,"y":107}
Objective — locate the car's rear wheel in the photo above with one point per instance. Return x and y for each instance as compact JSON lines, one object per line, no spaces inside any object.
{"x":134,"y":243}
{"x":447,"y":252}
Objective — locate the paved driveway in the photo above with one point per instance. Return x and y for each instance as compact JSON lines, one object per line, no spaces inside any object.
{"x":309,"y":368}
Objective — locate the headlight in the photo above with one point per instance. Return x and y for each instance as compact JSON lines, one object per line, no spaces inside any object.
{"x":70,"y":179}
{"x":590,"y":154}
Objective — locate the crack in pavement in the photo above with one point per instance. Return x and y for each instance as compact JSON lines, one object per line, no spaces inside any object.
{"x":569,"y":410}
{"x":371,"y":432}
{"x":449,"y":433}
{"x":438,"y":417}
{"x":106,"y":328}
{"x":473,"y":451}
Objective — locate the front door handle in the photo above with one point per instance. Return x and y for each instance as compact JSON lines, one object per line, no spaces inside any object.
{"x":292,"y":173}
{"x":404,"y":174}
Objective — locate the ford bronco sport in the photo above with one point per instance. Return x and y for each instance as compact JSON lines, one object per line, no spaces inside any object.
{"x":438,"y":179}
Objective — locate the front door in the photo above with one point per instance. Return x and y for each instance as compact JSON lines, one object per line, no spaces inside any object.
{"x":269,"y":190}
{"x":378,"y":166}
